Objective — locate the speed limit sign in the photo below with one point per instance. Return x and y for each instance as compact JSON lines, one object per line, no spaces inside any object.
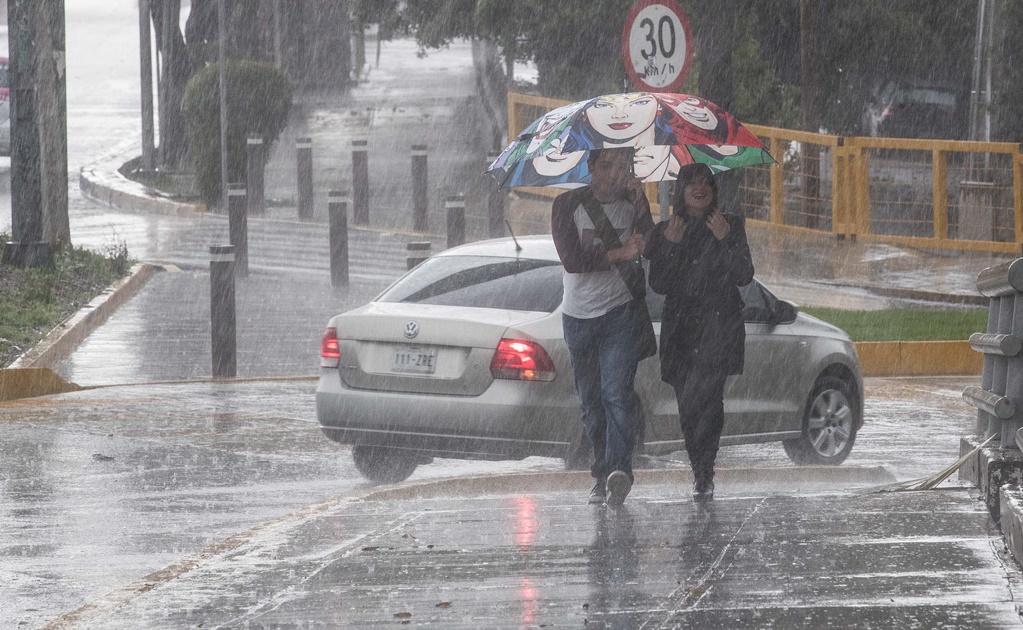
{"x":657,"y":45}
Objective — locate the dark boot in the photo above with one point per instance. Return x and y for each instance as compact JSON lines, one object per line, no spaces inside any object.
{"x":703,"y":475}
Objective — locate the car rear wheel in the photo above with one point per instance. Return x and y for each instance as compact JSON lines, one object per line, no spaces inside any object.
{"x":384,"y":465}
{"x":829,"y":425}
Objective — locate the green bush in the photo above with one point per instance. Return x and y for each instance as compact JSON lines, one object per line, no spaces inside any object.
{"x":258,"y":100}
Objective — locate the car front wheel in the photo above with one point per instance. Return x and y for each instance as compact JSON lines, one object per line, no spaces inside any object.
{"x":829,"y":425}
{"x":384,"y":465}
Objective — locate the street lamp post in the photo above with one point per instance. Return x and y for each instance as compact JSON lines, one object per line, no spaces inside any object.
{"x":222,"y":61}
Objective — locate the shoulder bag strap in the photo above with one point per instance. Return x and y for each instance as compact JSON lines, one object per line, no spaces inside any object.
{"x":631,"y":271}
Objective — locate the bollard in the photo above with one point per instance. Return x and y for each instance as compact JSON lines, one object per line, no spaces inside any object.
{"x":420,"y":219}
{"x":495,"y":203}
{"x":238,"y":227}
{"x":222,"y":312}
{"x":360,"y":182}
{"x":418,"y":251}
{"x":304,"y":153}
{"x":455,"y":207}
{"x":255,"y":163}
{"x":337,"y":216}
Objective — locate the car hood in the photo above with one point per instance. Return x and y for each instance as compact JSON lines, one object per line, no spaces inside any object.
{"x":810,"y":325}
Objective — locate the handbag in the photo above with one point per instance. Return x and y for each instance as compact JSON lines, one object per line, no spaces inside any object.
{"x":631,"y":271}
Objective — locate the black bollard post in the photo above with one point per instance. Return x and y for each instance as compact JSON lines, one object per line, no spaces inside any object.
{"x":455,"y":207}
{"x":337,"y":215}
{"x":255,"y":163}
{"x":420,"y":219}
{"x":222,"y":312}
{"x":418,"y":251}
{"x":304,"y":151}
{"x":360,"y":182}
{"x":495,"y":202}
{"x":238,"y":227}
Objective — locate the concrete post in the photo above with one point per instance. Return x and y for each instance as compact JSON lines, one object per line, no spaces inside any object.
{"x":304,"y":153}
{"x":222,"y":312}
{"x":255,"y":163}
{"x":420,"y":218}
{"x":337,"y":215}
{"x":418,"y":251}
{"x":455,"y":207}
{"x":238,"y":227}
{"x":495,"y":203}
{"x":360,"y":182}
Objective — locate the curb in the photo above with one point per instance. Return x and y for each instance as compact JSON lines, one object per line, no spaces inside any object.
{"x":117,"y":191}
{"x":918,"y":358}
{"x":60,"y":342}
{"x":582,"y":480}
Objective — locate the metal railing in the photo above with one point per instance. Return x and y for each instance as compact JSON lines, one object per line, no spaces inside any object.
{"x":939,"y":194}
{"x":999,"y":399}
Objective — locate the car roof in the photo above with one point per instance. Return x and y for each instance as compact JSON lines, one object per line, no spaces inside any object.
{"x":537,"y":246}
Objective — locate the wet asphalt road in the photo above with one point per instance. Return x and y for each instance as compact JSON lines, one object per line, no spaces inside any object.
{"x":222,"y":504}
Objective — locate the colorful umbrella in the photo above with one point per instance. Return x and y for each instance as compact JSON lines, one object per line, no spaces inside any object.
{"x":667,"y":131}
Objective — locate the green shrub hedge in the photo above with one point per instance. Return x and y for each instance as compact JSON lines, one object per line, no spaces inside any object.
{"x":258,"y":100}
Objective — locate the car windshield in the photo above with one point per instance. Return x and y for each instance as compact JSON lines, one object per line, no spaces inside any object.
{"x":518,"y":284}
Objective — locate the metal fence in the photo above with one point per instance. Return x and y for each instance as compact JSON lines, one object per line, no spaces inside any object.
{"x":999,"y":399}
{"x":940,"y":194}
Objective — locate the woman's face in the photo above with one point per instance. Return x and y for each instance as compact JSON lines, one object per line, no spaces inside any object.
{"x":698,"y":195}
{"x":696,"y":112}
{"x":622,"y":117}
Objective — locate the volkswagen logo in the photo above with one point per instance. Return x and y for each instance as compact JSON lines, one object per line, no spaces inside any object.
{"x":411,"y":330}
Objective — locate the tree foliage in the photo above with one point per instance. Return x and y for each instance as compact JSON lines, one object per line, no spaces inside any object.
{"x":864,"y":46}
{"x":258,"y":99}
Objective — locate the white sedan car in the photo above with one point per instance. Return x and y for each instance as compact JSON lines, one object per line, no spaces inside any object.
{"x":463,"y":357}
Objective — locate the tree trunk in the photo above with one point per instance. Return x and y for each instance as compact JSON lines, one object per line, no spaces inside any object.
{"x":176,"y":68}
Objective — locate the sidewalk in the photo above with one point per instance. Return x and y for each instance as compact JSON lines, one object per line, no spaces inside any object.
{"x":773,"y":553}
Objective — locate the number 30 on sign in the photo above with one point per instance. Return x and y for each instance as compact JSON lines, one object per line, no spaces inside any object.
{"x":657,"y":45}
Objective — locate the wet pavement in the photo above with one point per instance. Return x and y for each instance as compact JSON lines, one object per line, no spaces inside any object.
{"x":221,"y":504}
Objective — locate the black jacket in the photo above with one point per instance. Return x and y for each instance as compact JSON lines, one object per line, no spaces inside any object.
{"x":701,"y":326}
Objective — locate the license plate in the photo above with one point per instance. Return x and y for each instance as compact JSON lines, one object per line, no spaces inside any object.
{"x":414,"y":360}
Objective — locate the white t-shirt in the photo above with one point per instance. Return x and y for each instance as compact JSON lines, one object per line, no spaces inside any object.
{"x":594,"y":293}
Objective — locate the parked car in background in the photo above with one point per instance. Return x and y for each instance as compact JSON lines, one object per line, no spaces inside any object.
{"x":920,"y":111}
{"x":463,"y":357}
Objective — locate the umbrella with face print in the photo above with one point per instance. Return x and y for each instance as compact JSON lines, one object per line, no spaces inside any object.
{"x":667,"y":132}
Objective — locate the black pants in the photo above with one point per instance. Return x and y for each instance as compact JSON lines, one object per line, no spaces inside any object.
{"x":700,"y":393}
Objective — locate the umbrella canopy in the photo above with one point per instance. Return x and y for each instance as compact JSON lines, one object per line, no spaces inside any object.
{"x":668,"y":131}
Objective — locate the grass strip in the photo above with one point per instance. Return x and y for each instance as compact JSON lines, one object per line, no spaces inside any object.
{"x":33,"y":301}
{"x":904,"y":324}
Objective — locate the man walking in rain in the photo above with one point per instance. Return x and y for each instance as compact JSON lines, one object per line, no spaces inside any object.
{"x":599,"y":230}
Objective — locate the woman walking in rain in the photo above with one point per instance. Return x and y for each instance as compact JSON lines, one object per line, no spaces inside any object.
{"x":698,"y":259}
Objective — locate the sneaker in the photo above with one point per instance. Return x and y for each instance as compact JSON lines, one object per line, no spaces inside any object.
{"x":703,"y":492}
{"x":599,"y":492}
{"x":618,"y":486}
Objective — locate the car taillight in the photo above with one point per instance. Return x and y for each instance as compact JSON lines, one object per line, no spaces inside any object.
{"x":330,"y":352}
{"x":521,"y":361}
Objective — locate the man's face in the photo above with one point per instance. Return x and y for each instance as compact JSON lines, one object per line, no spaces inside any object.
{"x":610,"y":173}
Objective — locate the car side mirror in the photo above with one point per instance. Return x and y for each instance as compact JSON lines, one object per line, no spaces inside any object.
{"x":783,"y":312}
